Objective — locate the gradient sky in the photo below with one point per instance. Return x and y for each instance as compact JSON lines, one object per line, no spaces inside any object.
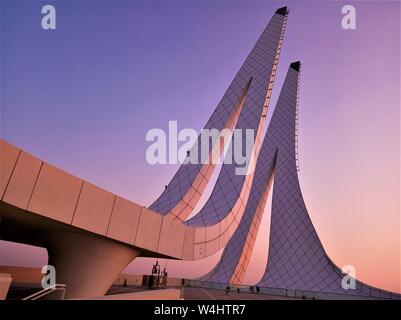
{"x":82,"y":97}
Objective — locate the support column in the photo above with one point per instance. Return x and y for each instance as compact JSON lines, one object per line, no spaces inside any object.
{"x":87,"y":264}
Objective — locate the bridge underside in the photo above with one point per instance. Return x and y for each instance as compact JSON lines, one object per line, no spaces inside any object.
{"x":87,"y":263}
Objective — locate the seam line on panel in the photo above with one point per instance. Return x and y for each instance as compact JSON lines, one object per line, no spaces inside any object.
{"x":160,"y":231}
{"x":139,"y":223}
{"x":12,"y":172}
{"x":34,"y":185}
{"x":76,"y":204}
{"x":111,"y":214}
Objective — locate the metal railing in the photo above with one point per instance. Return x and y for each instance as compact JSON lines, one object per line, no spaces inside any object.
{"x":44,"y":292}
{"x":373,"y":293}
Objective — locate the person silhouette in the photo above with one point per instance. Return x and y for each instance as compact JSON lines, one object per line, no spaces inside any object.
{"x":154,"y":269}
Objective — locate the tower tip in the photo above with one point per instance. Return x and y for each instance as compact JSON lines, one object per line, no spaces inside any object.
{"x":282,"y":11}
{"x":296,"y":65}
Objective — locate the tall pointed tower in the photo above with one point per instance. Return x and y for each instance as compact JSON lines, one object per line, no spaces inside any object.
{"x":297,"y":259}
{"x":243,"y":106}
{"x":297,"y":262}
{"x":235,"y":259}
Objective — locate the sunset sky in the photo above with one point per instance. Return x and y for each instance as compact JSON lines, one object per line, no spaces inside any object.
{"x":83,"y":96}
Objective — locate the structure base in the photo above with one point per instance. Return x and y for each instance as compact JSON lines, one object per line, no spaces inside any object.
{"x":86,"y":264}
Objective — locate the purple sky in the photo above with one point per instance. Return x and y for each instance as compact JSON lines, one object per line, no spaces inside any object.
{"x":83,"y":96}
